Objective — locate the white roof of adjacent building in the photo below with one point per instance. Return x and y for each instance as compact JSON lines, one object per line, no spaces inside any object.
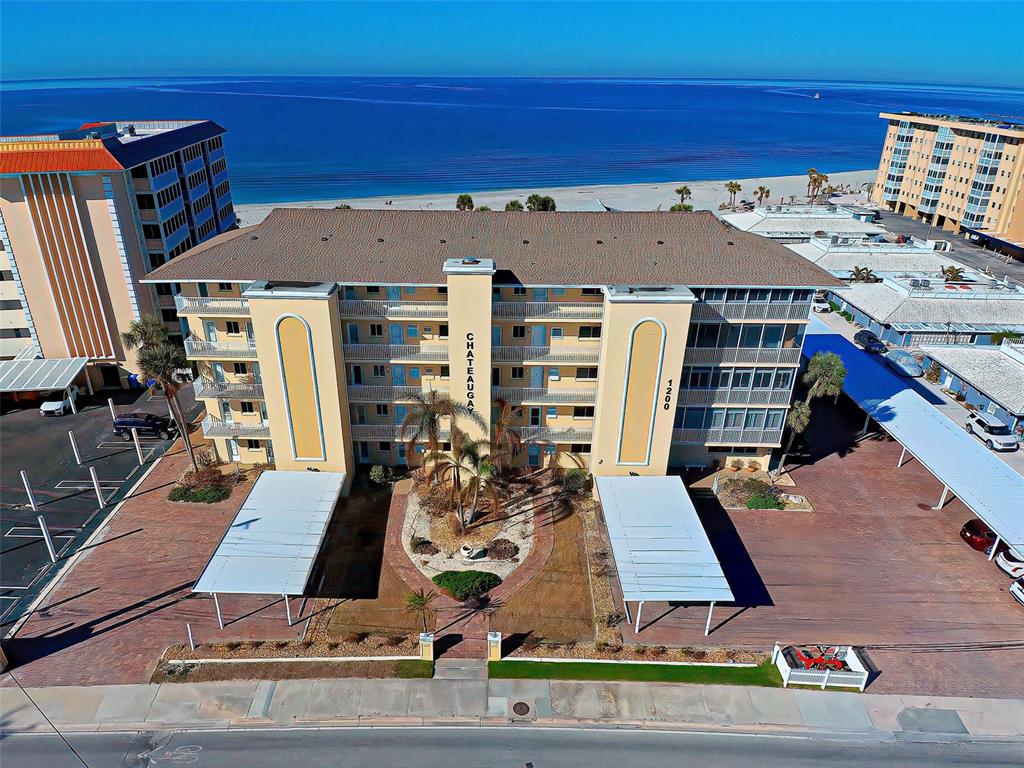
{"x":891,"y":306}
{"x":24,"y":374}
{"x":271,"y":545}
{"x":880,"y":258}
{"x":989,"y":487}
{"x":792,"y":222}
{"x":995,"y":371}
{"x":659,"y":544}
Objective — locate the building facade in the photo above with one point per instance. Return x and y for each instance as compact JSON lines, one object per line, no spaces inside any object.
{"x":625,"y":342}
{"x":961,"y":174}
{"x":85,"y":214}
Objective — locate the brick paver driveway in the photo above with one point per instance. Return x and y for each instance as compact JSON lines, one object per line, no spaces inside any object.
{"x":128,"y":596}
{"x":873,"y":565}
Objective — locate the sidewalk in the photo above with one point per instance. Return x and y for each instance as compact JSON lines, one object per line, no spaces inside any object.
{"x":247,"y":704}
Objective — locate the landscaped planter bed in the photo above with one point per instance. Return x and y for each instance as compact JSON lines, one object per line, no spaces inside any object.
{"x":373,"y":646}
{"x":640,"y":653}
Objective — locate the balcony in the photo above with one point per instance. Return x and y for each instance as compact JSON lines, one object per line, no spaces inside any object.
{"x":391,"y":432}
{"x":548,"y":311}
{"x":394,"y":310}
{"x":218,"y":428}
{"x":538,"y":396}
{"x":228,"y":390}
{"x":220,"y":350}
{"x":544,"y":355}
{"x":740,"y":311}
{"x":713,"y":355}
{"x":735,"y":396}
{"x":202,"y":305}
{"x":727,"y":436}
{"x":413,"y":353}
{"x":554,"y":434}
{"x":360,"y":393}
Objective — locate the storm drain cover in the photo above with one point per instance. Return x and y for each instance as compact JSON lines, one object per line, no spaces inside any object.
{"x":521,"y":708}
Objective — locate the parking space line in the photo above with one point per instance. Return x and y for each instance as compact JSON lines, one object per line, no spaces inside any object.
{"x":84,"y":485}
{"x":28,"y":533}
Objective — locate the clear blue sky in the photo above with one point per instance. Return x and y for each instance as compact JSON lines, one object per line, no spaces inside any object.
{"x":938,"y":42}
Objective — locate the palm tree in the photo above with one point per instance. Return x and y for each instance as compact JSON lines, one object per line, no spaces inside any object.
{"x":419,"y":603}
{"x":820,"y":181}
{"x":147,"y":331}
{"x":681,"y":208}
{"x":732,"y":187}
{"x":762,"y":193}
{"x":812,"y":175}
{"x":464,"y":202}
{"x":684,"y":193}
{"x":466,"y":455}
{"x":863,"y":275}
{"x":506,"y":442}
{"x":162,"y":362}
{"x":797,"y":419}
{"x":824,"y":376}
{"x":952,"y":274}
{"x":513,"y":205}
{"x":423,"y":421}
{"x":481,"y":469}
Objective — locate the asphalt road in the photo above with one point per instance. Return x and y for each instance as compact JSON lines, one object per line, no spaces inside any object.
{"x":490,"y":747}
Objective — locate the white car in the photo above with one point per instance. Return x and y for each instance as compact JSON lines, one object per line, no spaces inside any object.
{"x":1010,"y":563}
{"x":1017,"y":590}
{"x":992,"y":431}
{"x":820,"y":305}
{"x":59,"y":407}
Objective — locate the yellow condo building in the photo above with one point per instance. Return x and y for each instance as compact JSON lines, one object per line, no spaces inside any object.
{"x":628,"y":342}
{"x":959,"y":173}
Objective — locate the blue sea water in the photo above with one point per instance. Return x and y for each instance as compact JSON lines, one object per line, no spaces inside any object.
{"x":306,"y":138}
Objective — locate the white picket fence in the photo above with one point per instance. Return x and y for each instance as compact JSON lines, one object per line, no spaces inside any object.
{"x":855,"y":677}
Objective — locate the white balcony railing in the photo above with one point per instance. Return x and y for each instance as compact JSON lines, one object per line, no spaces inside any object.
{"x":740,"y":311}
{"x":711,"y":355}
{"x":548,"y":310}
{"x":539,"y":396}
{"x":218,"y":428}
{"x":228,"y":390}
{"x":554,"y":434}
{"x":735,"y":396}
{"x":220,"y":349}
{"x":543,"y":355}
{"x":391,"y":432}
{"x":203,"y":305}
{"x":727,"y":436}
{"x":397,"y":352}
{"x":425,"y":310}
{"x":360,"y":393}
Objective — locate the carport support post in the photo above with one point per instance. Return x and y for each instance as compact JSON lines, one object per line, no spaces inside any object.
{"x":138,"y":446}
{"x":639,"y":608}
{"x":867,"y":423}
{"x":995,"y":546}
{"x":47,"y":539}
{"x":96,"y":487}
{"x":28,"y":490}
{"x":216,"y":604}
{"x":113,"y":413}
{"x":287,"y":609}
{"x":74,"y":447}
{"x":903,"y":455}
{"x":942,"y":499}
{"x":71,"y":399}
{"x":707,"y":624}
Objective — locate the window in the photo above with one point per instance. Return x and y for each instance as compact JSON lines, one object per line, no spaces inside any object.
{"x":168,"y":195}
{"x":248,"y":407}
{"x":445,"y":371}
{"x":754,"y":419}
{"x":590,"y":372}
{"x":699,"y":378}
{"x":223,"y":286}
{"x":693,"y":418}
{"x":384,"y":446}
{"x":168,"y":315}
{"x":772,"y":336}
{"x":6,"y":274}
{"x":146,"y":202}
{"x":151,"y":231}
{"x":556,"y":333}
{"x":162,"y":165}
{"x":554,"y":374}
{"x":583,"y":412}
{"x":414,"y":373}
{"x":590,"y":331}
{"x":552,"y":412}
{"x":241,"y":368}
{"x":774,"y":419}
{"x":382,"y":409}
{"x":763,"y":378}
{"x":518,"y":331}
{"x":252,"y":445}
{"x":373,"y":289}
{"x":163,"y":289}
{"x":139,"y":172}
{"x":734,"y":418}
{"x":591,"y":292}
{"x":707,"y":335}
{"x":412,"y":331}
{"x":784,"y":378}
{"x":442,"y":331}
{"x":518,"y":291}
{"x":232,"y":328}
{"x":517,"y":372}
{"x":376,"y":329}
{"x":579,"y":448}
{"x":379,"y":371}
{"x":721,"y":378}
{"x":750,"y":335}
{"x":442,"y":290}
{"x":173,"y":224}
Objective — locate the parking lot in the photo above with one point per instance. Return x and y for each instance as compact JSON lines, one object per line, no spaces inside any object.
{"x":63,"y":489}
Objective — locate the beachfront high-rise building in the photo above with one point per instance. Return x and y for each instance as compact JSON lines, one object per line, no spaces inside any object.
{"x":84,"y":214}
{"x":959,"y":173}
{"x":627,"y":341}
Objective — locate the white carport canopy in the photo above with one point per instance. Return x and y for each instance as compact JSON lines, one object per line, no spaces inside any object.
{"x":271,"y":545}
{"x":661,"y":549}
{"x":24,"y":374}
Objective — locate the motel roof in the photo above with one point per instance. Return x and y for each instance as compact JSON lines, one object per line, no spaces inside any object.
{"x":893,"y":307}
{"x":531,"y":248}
{"x":995,"y":371}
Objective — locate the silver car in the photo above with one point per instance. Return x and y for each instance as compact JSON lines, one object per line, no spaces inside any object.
{"x":992,"y":431}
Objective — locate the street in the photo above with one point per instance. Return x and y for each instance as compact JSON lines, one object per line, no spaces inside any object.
{"x":491,"y":747}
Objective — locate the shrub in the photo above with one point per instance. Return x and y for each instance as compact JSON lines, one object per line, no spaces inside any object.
{"x":613,"y":619}
{"x":574,"y":481}
{"x":204,"y":477}
{"x":699,"y":655}
{"x":207,"y":495}
{"x":933,"y":373}
{"x":465,"y":584}
{"x":502,"y":549}
{"x":421,"y":546}
{"x":353,"y":637}
{"x":380,"y":474}
{"x":764,"y":501}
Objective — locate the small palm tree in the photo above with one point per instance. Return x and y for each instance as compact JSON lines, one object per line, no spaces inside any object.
{"x":952,"y":274}
{"x":506,"y":443}
{"x":684,"y":193}
{"x":681,"y":208}
{"x":863,"y":275}
{"x":732,"y":187}
{"x":825,"y":375}
{"x":797,"y":419}
{"x":162,"y":362}
{"x":147,"y":331}
{"x":419,"y":603}
{"x":464,"y":202}
{"x":812,"y":175}
{"x":513,"y":205}
{"x":762,"y":193}
{"x":465,"y":454}
{"x":480,"y":469}
{"x":423,"y":421}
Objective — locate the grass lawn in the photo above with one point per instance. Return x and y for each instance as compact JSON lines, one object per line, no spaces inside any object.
{"x":765,"y":675}
{"x":555,"y":604}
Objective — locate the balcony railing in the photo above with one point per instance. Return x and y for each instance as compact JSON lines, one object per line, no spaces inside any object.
{"x":727,"y":436}
{"x":538,"y":396}
{"x":740,"y":311}
{"x":554,"y":434}
{"x":710,"y":355}
{"x":544,"y":355}
{"x":226,"y":350}
{"x":397,"y":352}
{"x":202,"y":305}
{"x":228,"y":390}
{"x":735,"y":396}
{"x":218,"y":428}
{"x":391,"y":432}
{"x":548,"y":310}
{"x":360,"y":393}
{"x":425,"y":310}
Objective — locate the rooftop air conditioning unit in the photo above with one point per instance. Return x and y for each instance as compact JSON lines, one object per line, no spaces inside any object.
{"x":915,"y":282}
{"x":131,"y":129}
{"x":926,"y":284}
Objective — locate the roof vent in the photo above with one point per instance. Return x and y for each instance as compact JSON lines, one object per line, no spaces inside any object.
{"x":469,"y":259}
{"x":443,"y":241}
{"x":255,"y":237}
{"x":380,"y":239}
{"x":729,"y":242}
{"x":526,"y":242}
{"x":661,"y":242}
{"x":600,"y":242}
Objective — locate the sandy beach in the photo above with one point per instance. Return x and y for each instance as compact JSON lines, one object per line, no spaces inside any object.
{"x":707,"y":195}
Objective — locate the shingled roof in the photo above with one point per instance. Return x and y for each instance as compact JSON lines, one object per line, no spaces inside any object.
{"x":532,"y":248}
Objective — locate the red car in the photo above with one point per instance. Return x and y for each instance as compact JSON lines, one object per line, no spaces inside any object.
{"x":977,"y":535}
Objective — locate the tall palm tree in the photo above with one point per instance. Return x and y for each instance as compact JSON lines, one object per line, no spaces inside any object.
{"x":684,"y":193}
{"x":147,"y":331}
{"x":419,"y":603}
{"x":480,"y":469}
{"x":162,"y":362}
{"x":423,"y":421}
{"x":465,"y":454}
{"x":812,"y":175}
{"x":863,"y":275}
{"x":824,"y":376}
{"x":820,"y":182}
{"x":732,"y":187}
{"x":797,"y":419}
{"x":762,"y":193}
{"x":506,"y":443}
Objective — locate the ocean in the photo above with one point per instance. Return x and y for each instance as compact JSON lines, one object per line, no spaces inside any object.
{"x":308,"y":138}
